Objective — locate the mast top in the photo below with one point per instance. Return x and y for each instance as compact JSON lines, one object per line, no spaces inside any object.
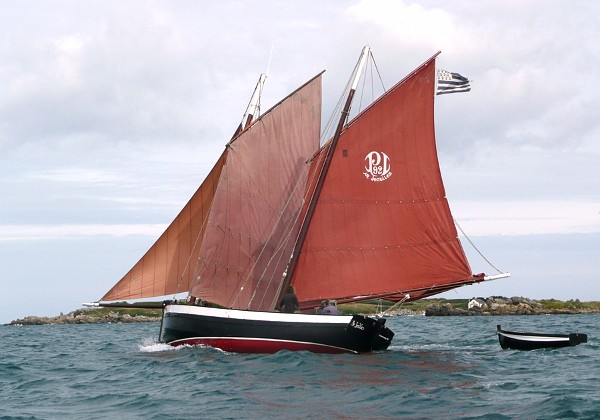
{"x":359,"y":67}
{"x":254,"y":105}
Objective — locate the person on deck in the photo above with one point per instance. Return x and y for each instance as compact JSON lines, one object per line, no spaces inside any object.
{"x":330,"y":308}
{"x":319,"y":310}
{"x":289,"y":301}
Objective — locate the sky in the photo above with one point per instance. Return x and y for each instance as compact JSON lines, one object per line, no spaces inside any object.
{"x":112,"y":113}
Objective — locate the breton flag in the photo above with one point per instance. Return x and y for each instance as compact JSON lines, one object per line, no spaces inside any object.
{"x":451,"y":82}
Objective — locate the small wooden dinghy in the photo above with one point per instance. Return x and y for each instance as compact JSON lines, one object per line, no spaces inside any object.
{"x":531,"y":341}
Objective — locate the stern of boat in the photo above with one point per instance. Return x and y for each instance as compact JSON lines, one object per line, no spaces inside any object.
{"x":371,"y":333}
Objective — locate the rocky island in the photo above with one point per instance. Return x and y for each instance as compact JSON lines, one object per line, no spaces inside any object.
{"x":499,"y":305}
{"x":494,"y":305}
{"x":92,"y":316}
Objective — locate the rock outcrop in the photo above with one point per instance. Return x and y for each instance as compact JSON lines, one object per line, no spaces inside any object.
{"x":496,"y":305}
{"x":81,"y":317}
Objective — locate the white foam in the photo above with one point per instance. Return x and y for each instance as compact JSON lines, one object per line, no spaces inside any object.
{"x":150,"y":345}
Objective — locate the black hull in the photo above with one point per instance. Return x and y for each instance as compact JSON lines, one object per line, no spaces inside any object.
{"x":268,"y":332}
{"x":532,"y":341}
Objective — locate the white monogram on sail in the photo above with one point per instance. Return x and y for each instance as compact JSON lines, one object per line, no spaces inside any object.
{"x":377,"y":167}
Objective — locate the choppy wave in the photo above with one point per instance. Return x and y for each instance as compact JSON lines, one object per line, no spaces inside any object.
{"x":435,"y":368}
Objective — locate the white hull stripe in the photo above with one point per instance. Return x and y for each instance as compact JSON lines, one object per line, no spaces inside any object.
{"x":534,"y":338}
{"x":257,"y":316}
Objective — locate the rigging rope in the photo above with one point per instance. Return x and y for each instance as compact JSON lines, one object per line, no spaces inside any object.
{"x":475,"y":248}
{"x":397,"y":304}
{"x":371,"y":76}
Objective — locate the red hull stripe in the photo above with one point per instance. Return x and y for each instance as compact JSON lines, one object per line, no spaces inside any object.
{"x":257,"y":345}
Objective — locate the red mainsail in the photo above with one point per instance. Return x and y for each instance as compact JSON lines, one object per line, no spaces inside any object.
{"x":382,"y":225}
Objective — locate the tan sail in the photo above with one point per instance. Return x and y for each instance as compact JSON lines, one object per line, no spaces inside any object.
{"x":165,"y":268}
{"x":254,"y":217}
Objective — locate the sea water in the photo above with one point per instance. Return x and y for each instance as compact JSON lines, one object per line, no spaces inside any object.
{"x":437,"y":367}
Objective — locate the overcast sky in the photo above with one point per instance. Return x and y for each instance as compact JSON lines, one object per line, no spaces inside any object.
{"x":112,"y":112}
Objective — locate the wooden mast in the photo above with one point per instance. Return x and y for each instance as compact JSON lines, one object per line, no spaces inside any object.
{"x":321,"y":179}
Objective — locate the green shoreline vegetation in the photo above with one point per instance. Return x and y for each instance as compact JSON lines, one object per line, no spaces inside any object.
{"x":495,"y":305}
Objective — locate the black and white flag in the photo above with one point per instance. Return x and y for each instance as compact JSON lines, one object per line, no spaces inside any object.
{"x":451,"y":82}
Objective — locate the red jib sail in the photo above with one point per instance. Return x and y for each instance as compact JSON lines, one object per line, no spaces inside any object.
{"x":253,"y":221}
{"x":382,"y":225}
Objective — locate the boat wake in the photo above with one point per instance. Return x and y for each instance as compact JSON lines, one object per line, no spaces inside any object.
{"x":150,"y":345}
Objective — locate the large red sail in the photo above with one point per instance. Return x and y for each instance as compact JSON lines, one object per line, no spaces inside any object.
{"x":382,"y":225}
{"x":165,"y":268}
{"x":253,"y":220}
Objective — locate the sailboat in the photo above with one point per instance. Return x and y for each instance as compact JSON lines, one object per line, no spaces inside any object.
{"x":362,"y":216}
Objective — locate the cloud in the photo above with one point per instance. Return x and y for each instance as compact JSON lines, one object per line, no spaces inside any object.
{"x":527,"y":217}
{"x":408,"y":23}
{"x":121,"y":78}
{"x":77,"y":175}
{"x":112,"y":113}
{"x":61,"y":232}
